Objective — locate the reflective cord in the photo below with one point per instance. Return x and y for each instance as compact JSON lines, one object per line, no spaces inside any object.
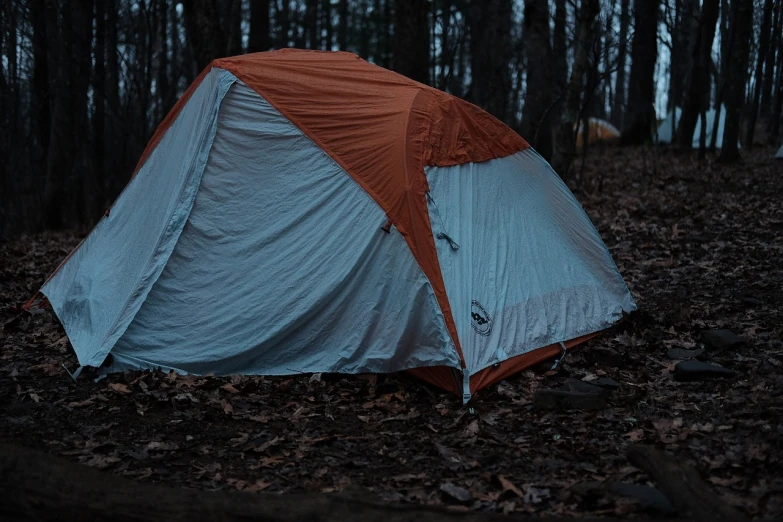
{"x":75,"y":374}
{"x":559,"y":359}
{"x":442,"y":235}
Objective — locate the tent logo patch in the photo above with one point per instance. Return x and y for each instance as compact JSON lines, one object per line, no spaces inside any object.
{"x":480,"y":319}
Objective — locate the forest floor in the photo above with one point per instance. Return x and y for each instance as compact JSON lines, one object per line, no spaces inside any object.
{"x":700,"y":246}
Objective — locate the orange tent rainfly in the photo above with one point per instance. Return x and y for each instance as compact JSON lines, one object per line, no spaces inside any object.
{"x":306,"y":211}
{"x":598,"y":131}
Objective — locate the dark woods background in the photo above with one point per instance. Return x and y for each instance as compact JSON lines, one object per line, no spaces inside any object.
{"x":83,"y":83}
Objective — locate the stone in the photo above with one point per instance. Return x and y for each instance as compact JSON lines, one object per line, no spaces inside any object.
{"x":683,"y":354}
{"x":457,"y":493}
{"x":608,"y":357}
{"x":573,"y":395}
{"x":721,"y":339}
{"x":607,"y":383}
{"x":697,"y":371}
{"x":649,"y":497}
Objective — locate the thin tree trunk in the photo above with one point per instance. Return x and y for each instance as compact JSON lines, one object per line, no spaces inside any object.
{"x":284,"y":21}
{"x":412,"y":39}
{"x":560,"y":58}
{"x":326,"y":23}
{"x":536,"y":123}
{"x":342,"y":25}
{"x":99,"y":101}
{"x":564,"y":143}
{"x":769,"y":68}
{"x":618,"y":109}
{"x":773,"y":127}
{"x":640,"y":113}
{"x":490,"y":34}
{"x":259,"y":26}
{"x":697,"y":99}
{"x":762,"y":51}
{"x":311,"y":24}
{"x":737,"y":76}
{"x":202,"y":22}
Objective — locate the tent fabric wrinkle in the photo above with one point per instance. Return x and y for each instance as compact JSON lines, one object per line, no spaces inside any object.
{"x":531,"y":269}
{"x":270,"y":221}
{"x":97,"y":293}
{"x":306,"y":211}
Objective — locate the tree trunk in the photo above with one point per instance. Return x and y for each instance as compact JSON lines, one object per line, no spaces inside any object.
{"x":342,"y":25}
{"x":536,"y":113}
{"x":767,"y":98}
{"x":202,"y":22}
{"x":565,"y":136}
{"x":259,"y":26}
{"x":412,"y":39}
{"x":490,"y":55}
{"x":560,"y":57}
{"x":762,"y":52}
{"x":99,"y":101}
{"x":640,"y":112}
{"x":58,"y":153}
{"x":284,"y":21}
{"x":737,"y":76}
{"x":311,"y":24}
{"x":698,"y":96}
{"x":618,"y":109}
{"x":82,"y":174}
{"x":326,"y":23}
{"x":773,"y":126}
{"x":39,"y":95}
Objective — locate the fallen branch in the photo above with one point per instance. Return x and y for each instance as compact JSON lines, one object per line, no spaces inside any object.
{"x":36,"y":486}
{"x":682,"y":485}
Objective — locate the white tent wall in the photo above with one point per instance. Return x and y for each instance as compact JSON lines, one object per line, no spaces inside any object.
{"x":665,"y":134}
{"x":530,"y":265}
{"x":98,"y":291}
{"x":283,"y":268}
{"x":665,"y":128}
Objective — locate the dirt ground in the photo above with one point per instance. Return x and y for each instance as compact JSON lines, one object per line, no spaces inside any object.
{"x":700,"y":246}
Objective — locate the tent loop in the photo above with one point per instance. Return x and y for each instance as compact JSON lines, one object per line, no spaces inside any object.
{"x":559,"y":359}
{"x":387,"y":227}
{"x":453,"y":244}
{"x":441,"y":235}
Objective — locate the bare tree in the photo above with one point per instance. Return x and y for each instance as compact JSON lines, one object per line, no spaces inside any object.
{"x":565,"y":136}
{"x":259,"y":26}
{"x":618,"y":108}
{"x":412,"y":39}
{"x":640,"y":114}
{"x":763,"y":50}
{"x":490,"y":29}
{"x":698,"y":95}
{"x":536,"y":122}
{"x":737,"y":74}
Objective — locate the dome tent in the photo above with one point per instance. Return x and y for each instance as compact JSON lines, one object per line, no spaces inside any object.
{"x":598,"y":131}
{"x":306,"y":211}
{"x":779,"y":154}
{"x":665,"y":134}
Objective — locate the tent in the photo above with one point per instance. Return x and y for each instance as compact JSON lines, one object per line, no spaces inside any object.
{"x":599,"y":130}
{"x":306,"y":211}
{"x":665,"y":134}
{"x":779,"y":154}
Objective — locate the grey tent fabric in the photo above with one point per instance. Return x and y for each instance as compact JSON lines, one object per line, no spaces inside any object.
{"x":665,"y":135}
